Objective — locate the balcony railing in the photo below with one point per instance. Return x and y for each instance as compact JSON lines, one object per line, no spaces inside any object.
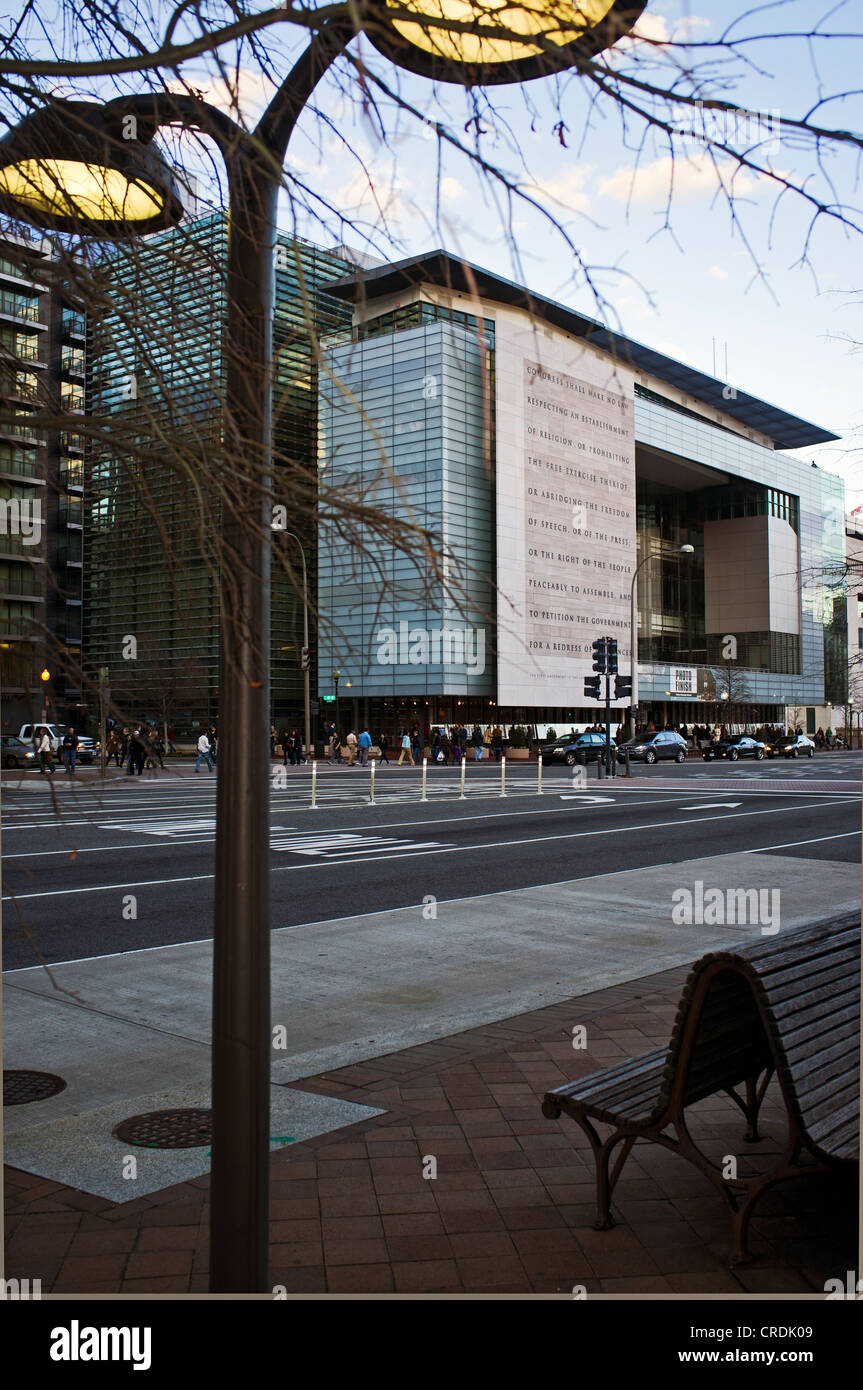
{"x":16,"y":627}
{"x":25,"y":432}
{"x":74,"y":323}
{"x":22,"y":468}
{"x":21,"y":583}
{"x":71,"y":512}
{"x":24,"y":350}
{"x":18,"y":308}
{"x":72,"y":474}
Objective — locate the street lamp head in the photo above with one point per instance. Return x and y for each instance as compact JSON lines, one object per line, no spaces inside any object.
{"x":687,"y":550}
{"x":501,"y":41}
{"x":72,"y":166}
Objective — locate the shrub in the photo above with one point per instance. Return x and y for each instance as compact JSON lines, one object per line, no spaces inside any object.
{"x":518,"y":736}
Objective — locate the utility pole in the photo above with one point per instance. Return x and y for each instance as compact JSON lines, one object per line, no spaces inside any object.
{"x":104,"y":697}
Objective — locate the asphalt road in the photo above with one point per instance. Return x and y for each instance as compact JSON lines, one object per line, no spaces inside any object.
{"x":76,"y":856}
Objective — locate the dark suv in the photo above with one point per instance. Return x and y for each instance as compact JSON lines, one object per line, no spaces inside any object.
{"x":652,"y":747}
{"x":574,"y":749}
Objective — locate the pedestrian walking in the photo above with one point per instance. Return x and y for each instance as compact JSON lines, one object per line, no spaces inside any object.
{"x":406,"y":750}
{"x":383,"y":745}
{"x":364,"y":743}
{"x":137,"y":753}
{"x":351,"y":742}
{"x":476,"y":740}
{"x":204,"y":751}
{"x":171,"y":737}
{"x":335,"y":746}
{"x":497,"y":743}
{"x":272,"y":740}
{"x":70,"y":750}
{"x":214,"y":744}
{"x":45,"y":752}
{"x":157,"y":748}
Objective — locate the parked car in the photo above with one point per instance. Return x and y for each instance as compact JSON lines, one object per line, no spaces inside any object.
{"x":792,"y":746}
{"x":740,"y":746}
{"x":650,"y":748}
{"x":14,"y":752}
{"x":570,"y":750}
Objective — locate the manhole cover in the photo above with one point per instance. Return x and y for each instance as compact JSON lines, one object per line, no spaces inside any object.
{"x":23,"y":1087}
{"x":167,"y":1129}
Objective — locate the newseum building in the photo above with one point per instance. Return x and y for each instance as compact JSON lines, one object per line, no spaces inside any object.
{"x":548,"y":458}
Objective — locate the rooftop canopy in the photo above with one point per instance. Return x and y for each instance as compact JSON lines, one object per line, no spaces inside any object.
{"x":439,"y":268}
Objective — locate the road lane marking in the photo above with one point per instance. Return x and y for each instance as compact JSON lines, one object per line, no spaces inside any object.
{"x":449,"y":849}
{"x":470,"y":897}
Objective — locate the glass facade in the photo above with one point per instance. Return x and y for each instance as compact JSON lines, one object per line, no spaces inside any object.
{"x":158,"y":380}
{"x":406,"y":430}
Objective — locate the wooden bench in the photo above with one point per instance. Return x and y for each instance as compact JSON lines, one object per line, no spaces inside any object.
{"x":787,"y":1006}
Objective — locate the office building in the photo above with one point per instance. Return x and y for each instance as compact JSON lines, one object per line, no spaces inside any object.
{"x":550,"y":458}
{"x":42,"y":374}
{"x":156,"y":394}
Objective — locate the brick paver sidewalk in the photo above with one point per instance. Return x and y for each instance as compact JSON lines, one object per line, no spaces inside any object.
{"x":511,"y":1207}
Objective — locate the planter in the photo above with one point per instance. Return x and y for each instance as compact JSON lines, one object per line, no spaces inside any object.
{"x":517,"y":755}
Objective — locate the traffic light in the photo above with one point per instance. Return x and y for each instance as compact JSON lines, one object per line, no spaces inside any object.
{"x":611,"y":656}
{"x":591,"y":687}
{"x":623,"y":687}
{"x":305,"y":658}
{"x":599,"y":655}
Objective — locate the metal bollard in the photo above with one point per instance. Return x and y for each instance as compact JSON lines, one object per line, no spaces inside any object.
{"x":503,"y":774}
{"x":628,"y":772}
{"x":539,"y":774}
{"x":463,"y":765}
{"x":425,"y":765}
{"x":600,"y":769}
{"x":372,"y":782}
{"x":314,"y":784}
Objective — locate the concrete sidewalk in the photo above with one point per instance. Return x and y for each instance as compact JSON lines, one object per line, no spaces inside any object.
{"x":130,"y":1033}
{"x":507,"y":1206}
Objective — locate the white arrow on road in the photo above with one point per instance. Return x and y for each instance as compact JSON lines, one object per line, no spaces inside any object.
{"x":582,"y":796}
{"x":711,"y":806}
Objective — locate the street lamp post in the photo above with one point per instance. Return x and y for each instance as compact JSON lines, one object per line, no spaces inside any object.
{"x":307,"y":703}
{"x":76,"y":166}
{"x":336,"y":675}
{"x":633,"y":626}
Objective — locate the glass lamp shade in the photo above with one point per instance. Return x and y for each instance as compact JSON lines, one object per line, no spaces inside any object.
{"x":534,"y":38}
{"x":67,"y":167}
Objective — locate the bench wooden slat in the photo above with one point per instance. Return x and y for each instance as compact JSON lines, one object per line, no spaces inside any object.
{"x":791,"y":1006}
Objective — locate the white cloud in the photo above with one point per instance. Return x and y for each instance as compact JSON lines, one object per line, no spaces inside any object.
{"x":565,"y":188}
{"x":718,"y":273}
{"x":451,"y":189}
{"x":695,"y":177}
{"x":245,"y":97}
{"x":655,"y":29}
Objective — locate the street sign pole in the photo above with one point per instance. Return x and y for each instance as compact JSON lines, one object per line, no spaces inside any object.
{"x":608,"y":762}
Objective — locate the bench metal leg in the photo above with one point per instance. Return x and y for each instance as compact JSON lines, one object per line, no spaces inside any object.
{"x":605,"y":1182}
{"x":755,"y":1093}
